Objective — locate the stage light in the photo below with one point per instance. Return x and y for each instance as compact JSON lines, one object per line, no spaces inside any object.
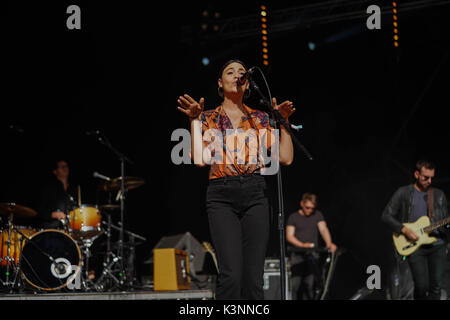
{"x":264,"y":32}
{"x":311,"y":46}
{"x":209,"y":21}
{"x":205,"y":61}
{"x":395,"y":23}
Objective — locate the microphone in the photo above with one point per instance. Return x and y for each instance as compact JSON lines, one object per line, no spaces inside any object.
{"x":241,"y":80}
{"x":98,"y":175}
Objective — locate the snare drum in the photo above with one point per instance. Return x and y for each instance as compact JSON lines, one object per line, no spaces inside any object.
{"x":45,"y":273}
{"x":15,"y":243}
{"x":85,"y":222}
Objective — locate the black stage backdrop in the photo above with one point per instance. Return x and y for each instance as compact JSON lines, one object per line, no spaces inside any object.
{"x":368,"y":110}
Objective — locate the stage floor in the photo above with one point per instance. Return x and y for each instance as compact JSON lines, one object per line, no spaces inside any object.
{"x":135,"y":295}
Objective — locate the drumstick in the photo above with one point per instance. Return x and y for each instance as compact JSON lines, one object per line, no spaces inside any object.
{"x":79,"y":196}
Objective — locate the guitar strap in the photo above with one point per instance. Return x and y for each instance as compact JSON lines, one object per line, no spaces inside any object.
{"x":430,"y":202}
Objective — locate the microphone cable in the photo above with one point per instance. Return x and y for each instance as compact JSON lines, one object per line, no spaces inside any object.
{"x":327,"y":281}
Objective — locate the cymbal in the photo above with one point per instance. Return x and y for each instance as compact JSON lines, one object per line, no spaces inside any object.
{"x":114,"y":184}
{"x":17,"y":210}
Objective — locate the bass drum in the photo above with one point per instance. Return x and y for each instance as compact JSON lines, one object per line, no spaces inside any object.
{"x":51,"y":260}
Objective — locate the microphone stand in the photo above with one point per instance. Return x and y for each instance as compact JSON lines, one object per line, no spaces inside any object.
{"x":103,"y":140}
{"x":279,"y":120}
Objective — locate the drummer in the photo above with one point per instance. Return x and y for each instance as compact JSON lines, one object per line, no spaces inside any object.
{"x":56,"y":197}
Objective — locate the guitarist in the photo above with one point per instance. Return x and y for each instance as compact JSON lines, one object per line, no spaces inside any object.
{"x":408,"y":204}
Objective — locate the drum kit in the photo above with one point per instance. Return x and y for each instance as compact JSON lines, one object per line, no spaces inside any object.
{"x":58,"y":259}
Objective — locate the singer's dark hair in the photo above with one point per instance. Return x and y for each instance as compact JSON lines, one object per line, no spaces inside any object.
{"x":220,"y":90}
{"x":230,"y":62}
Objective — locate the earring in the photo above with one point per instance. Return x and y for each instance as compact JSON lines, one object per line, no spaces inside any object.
{"x":220,"y":92}
{"x":247,"y":93}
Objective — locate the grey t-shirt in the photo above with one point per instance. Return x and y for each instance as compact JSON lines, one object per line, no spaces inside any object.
{"x":306,"y":227}
{"x":419,"y":205}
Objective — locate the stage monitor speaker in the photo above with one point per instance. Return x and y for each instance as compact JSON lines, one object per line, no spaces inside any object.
{"x":186,"y":241}
{"x":171,"y":270}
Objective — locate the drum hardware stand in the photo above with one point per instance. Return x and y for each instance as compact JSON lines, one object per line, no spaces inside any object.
{"x":8,"y":255}
{"x":108,"y":237}
{"x":17,"y":277}
{"x":107,"y":263}
{"x":107,"y":271}
{"x":86,"y":247}
{"x":131,"y":257}
{"x":103,"y":140}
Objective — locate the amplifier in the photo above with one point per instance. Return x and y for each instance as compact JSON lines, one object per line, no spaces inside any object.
{"x":170,"y":269}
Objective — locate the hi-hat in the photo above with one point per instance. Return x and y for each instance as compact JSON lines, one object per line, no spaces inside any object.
{"x":6,"y":208}
{"x":115,"y":184}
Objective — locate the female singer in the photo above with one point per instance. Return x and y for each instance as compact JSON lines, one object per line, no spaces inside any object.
{"x":236,"y":203}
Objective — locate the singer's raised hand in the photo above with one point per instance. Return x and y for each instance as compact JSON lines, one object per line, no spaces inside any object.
{"x":190,"y":107}
{"x":286,"y":108}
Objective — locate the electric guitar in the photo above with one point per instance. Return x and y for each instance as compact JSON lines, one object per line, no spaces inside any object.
{"x":208,"y":247}
{"x":422,"y":228}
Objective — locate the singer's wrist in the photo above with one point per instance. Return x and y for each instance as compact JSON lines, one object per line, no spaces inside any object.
{"x":194,"y":118}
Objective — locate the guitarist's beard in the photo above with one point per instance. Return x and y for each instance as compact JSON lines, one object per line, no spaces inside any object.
{"x":422,"y":187}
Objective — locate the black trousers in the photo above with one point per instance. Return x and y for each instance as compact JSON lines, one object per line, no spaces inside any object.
{"x":305,"y":270}
{"x":428,"y":267}
{"x":239,"y":221}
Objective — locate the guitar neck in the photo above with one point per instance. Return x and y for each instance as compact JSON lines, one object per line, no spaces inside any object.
{"x":436,"y":225}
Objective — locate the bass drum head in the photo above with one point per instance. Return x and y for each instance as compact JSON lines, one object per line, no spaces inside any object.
{"x":37,"y":266}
